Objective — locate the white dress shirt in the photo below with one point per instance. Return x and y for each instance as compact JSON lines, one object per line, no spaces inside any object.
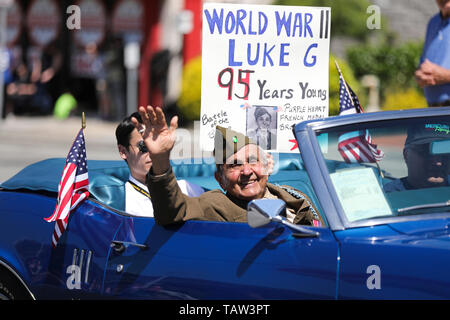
{"x":139,"y":204}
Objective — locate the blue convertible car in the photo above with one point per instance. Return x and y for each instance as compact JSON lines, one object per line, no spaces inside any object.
{"x":383,"y":237}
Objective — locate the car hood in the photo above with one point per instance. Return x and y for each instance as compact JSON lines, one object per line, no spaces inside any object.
{"x":433,"y":232}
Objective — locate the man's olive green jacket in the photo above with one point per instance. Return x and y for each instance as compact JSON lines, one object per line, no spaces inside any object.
{"x":170,"y":205}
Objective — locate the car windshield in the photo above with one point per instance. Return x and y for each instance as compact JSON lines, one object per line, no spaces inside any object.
{"x":389,"y":168}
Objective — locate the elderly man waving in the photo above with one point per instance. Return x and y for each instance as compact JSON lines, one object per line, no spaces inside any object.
{"x":241,"y":172}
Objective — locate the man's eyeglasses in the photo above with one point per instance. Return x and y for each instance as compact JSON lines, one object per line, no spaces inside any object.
{"x":142,"y":147}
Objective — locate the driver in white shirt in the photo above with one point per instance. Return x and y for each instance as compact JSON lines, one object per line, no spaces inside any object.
{"x":132,"y":149}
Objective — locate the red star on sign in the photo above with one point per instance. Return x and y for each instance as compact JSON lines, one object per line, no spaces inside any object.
{"x":295,"y":144}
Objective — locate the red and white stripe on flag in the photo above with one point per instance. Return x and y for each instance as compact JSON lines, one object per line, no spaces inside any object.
{"x":357,"y":147}
{"x":60,"y":227}
{"x":73,"y":187}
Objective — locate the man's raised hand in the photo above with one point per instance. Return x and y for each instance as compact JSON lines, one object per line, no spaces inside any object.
{"x":158,"y":137}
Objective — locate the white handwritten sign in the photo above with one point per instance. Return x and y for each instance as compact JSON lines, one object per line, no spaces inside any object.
{"x":264,"y":69}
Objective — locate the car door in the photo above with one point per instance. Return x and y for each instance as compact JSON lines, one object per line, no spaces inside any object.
{"x":393,"y":241}
{"x":400,"y":260}
{"x":76,"y":265}
{"x":218,"y":260}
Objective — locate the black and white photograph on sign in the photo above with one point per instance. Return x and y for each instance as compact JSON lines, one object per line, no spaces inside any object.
{"x":262,"y":126}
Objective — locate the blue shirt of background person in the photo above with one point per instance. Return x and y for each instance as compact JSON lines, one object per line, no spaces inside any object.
{"x":433,"y":73}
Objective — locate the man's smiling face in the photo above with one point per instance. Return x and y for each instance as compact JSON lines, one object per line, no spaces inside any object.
{"x":244,"y":175}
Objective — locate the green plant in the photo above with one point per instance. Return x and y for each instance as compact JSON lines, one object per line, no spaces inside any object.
{"x":404,"y":99}
{"x":394,"y":66}
{"x":334,"y":84}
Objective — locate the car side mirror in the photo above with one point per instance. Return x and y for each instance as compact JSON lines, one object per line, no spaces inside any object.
{"x":261,"y":212}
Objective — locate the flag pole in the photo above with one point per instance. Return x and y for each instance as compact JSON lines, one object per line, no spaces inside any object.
{"x":83,"y":121}
{"x":353,"y":102}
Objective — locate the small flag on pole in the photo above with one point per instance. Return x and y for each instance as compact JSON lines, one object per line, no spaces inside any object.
{"x":348,"y":100}
{"x":355,"y":146}
{"x":73,"y":187}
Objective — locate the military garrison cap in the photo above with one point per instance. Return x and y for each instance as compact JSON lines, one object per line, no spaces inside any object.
{"x":227,"y":142}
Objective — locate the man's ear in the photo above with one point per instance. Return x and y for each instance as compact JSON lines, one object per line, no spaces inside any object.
{"x":219,"y":179}
{"x":122,"y":151}
{"x":405,"y":154}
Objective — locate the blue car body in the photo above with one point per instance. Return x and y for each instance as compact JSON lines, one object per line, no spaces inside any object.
{"x":107,"y":253}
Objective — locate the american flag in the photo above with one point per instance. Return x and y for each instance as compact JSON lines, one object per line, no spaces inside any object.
{"x":348,"y":100}
{"x":355,"y":146}
{"x":73,"y":187}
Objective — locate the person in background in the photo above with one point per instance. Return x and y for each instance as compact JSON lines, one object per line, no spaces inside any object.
{"x":115,"y":79}
{"x":433,"y":74}
{"x":132,"y":149}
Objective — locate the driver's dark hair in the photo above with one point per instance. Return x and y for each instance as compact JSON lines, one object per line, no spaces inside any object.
{"x":124,"y":129}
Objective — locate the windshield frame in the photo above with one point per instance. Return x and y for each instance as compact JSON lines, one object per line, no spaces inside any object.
{"x":315,"y":163}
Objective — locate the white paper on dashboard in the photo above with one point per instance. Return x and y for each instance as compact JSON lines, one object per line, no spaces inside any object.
{"x":360,"y":194}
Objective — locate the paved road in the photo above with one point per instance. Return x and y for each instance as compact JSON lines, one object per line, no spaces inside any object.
{"x":25,"y":140}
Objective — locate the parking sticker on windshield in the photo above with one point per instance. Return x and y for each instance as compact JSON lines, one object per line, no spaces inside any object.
{"x":360,"y":194}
